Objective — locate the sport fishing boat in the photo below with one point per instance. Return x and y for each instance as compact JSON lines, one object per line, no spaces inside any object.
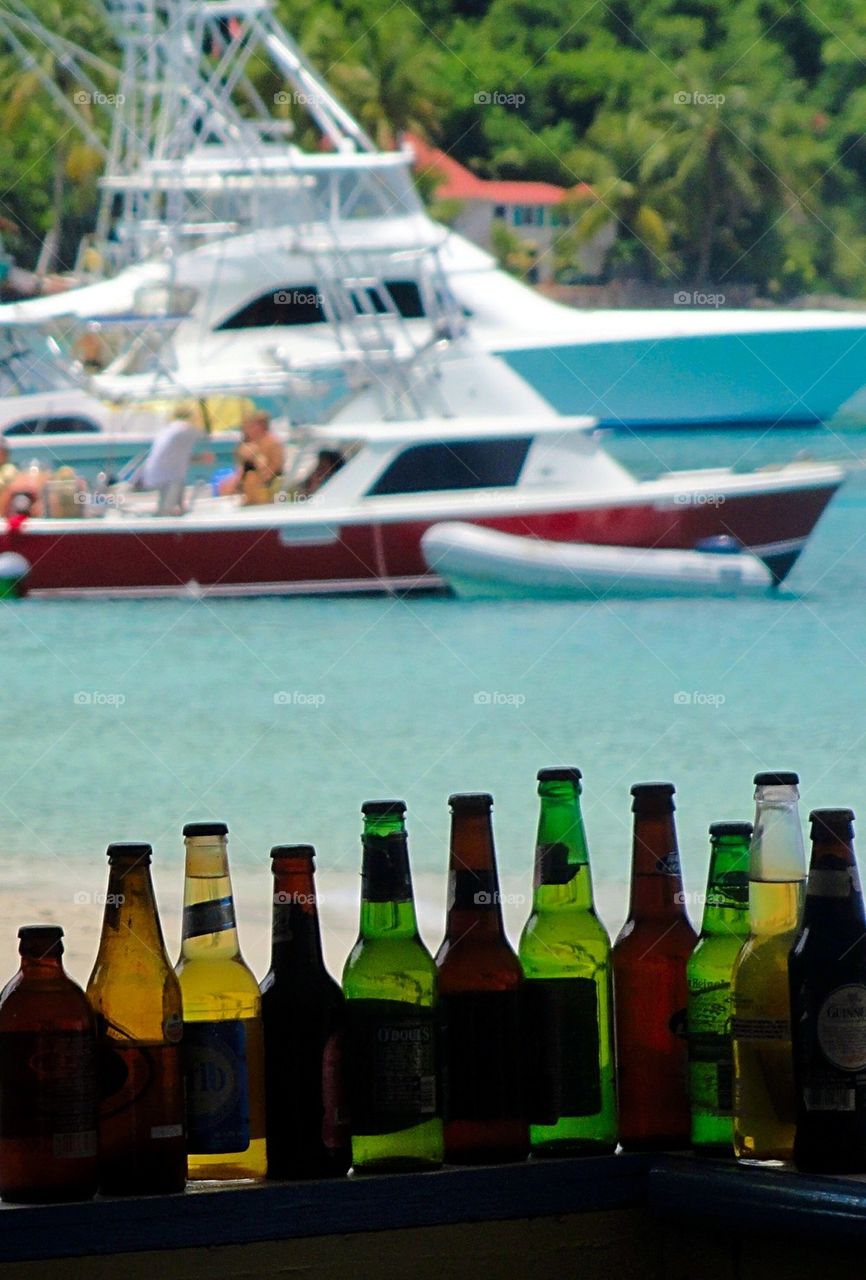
{"x":226,"y":257}
{"x":537,"y":476}
{"x":48,"y":416}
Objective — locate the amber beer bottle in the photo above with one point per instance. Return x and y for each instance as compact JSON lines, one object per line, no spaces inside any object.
{"x":481,"y":990}
{"x":649,"y":981}
{"x":827,"y":968}
{"x":303,"y":1012}
{"x":764,"y":1107}
{"x":222,"y":1021}
{"x":135,"y":996}
{"x":48,"y":1139}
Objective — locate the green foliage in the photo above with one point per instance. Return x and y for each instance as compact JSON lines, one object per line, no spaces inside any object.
{"x":725,"y":140}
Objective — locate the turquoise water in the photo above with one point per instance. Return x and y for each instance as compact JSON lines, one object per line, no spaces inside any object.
{"x":124,"y":719}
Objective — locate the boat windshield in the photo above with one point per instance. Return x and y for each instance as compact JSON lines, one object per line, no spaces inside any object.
{"x":30,"y":364}
{"x":455,"y":464}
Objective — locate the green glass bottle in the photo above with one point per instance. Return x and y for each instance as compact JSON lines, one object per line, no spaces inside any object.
{"x":565,"y":954}
{"x":724,"y":929}
{"x":391,"y":1006}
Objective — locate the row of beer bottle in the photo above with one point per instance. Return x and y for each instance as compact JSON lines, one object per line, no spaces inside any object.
{"x":523,"y":1046}
{"x":159,"y":1073}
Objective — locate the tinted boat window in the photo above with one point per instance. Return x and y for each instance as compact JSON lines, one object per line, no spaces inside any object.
{"x":51,"y":427}
{"x":302,"y":304}
{"x":460,"y":464}
{"x":299,"y":304}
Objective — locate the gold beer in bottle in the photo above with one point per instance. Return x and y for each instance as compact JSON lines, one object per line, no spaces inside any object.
{"x":222,"y":1017}
{"x":135,"y":996}
{"x":764,"y":1098}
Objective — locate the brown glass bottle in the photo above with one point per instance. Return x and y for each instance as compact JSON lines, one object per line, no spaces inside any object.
{"x":649,"y":982}
{"x":136,"y":998}
{"x":481,"y":1002}
{"x":303,"y":1012}
{"x":48,"y":1140}
{"x":827,"y":969}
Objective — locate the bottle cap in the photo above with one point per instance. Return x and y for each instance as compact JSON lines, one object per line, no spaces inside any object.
{"x":194,"y":829}
{"x":777,"y":780}
{"x":129,"y":849}
{"x":471,"y":802}
{"x":832,"y":824}
{"x":40,"y":939}
{"x":567,"y":773}
{"x":305,"y":851}
{"x":742,"y":829}
{"x":383,"y":808}
{"x":655,"y":797}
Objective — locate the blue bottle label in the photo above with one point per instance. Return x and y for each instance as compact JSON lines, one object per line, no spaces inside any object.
{"x":217,"y":1087}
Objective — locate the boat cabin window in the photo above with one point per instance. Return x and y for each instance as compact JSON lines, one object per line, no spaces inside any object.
{"x":458,"y":464}
{"x":302,"y":304}
{"x":51,"y":427}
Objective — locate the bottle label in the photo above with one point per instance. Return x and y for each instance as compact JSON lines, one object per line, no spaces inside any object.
{"x":712,"y":1052}
{"x":47,"y":1090}
{"x":760,"y":1028}
{"x":472,"y":889}
{"x":484,"y":1055}
{"x":217,"y":1087}
{"x":841,"y":1027}
{"x":141,"y":1090}
{"x":824,"y":883}
{"x":553,"y":864}
{"x":392,"y":1065}
{"x":214,"y":916}
{"x":335,"y":1120}
{"x":562,"y":1037}
{"x":669,"y":865}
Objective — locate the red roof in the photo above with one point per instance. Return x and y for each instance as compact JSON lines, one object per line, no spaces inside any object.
{"x":460,"y":183}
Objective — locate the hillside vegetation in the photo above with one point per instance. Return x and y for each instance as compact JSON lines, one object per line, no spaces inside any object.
{"x":727,"y":138}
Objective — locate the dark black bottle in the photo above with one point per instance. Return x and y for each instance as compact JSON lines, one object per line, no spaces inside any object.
{"x":827,"y":970}
{"x":303,"y":1012}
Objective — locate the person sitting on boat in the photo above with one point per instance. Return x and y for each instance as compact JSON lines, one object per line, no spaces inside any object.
{"x":22,"y":490}
{"x":166,"y":465}
{"x":260,"y":459}
{"x":328,"y":462}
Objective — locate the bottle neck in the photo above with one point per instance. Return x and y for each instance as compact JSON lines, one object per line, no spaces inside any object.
{"x":296,"y":941}
{"x":656,"y":879}
{"x":209,"y":927}
{"x":833,"y":892}
{"x":562,"y":875}
{"x":726,"y":912}
{"x":47,"y":968}
{"x":130,"y":913}
{"x":387,"y":904}
{"x":777,"y":852}
{"x":474,"y":900}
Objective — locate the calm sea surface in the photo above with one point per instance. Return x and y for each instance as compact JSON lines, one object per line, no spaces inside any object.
{"x":124,"y":720}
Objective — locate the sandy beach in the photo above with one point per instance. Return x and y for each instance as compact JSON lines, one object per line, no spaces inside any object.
{"x":32,"y":895}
